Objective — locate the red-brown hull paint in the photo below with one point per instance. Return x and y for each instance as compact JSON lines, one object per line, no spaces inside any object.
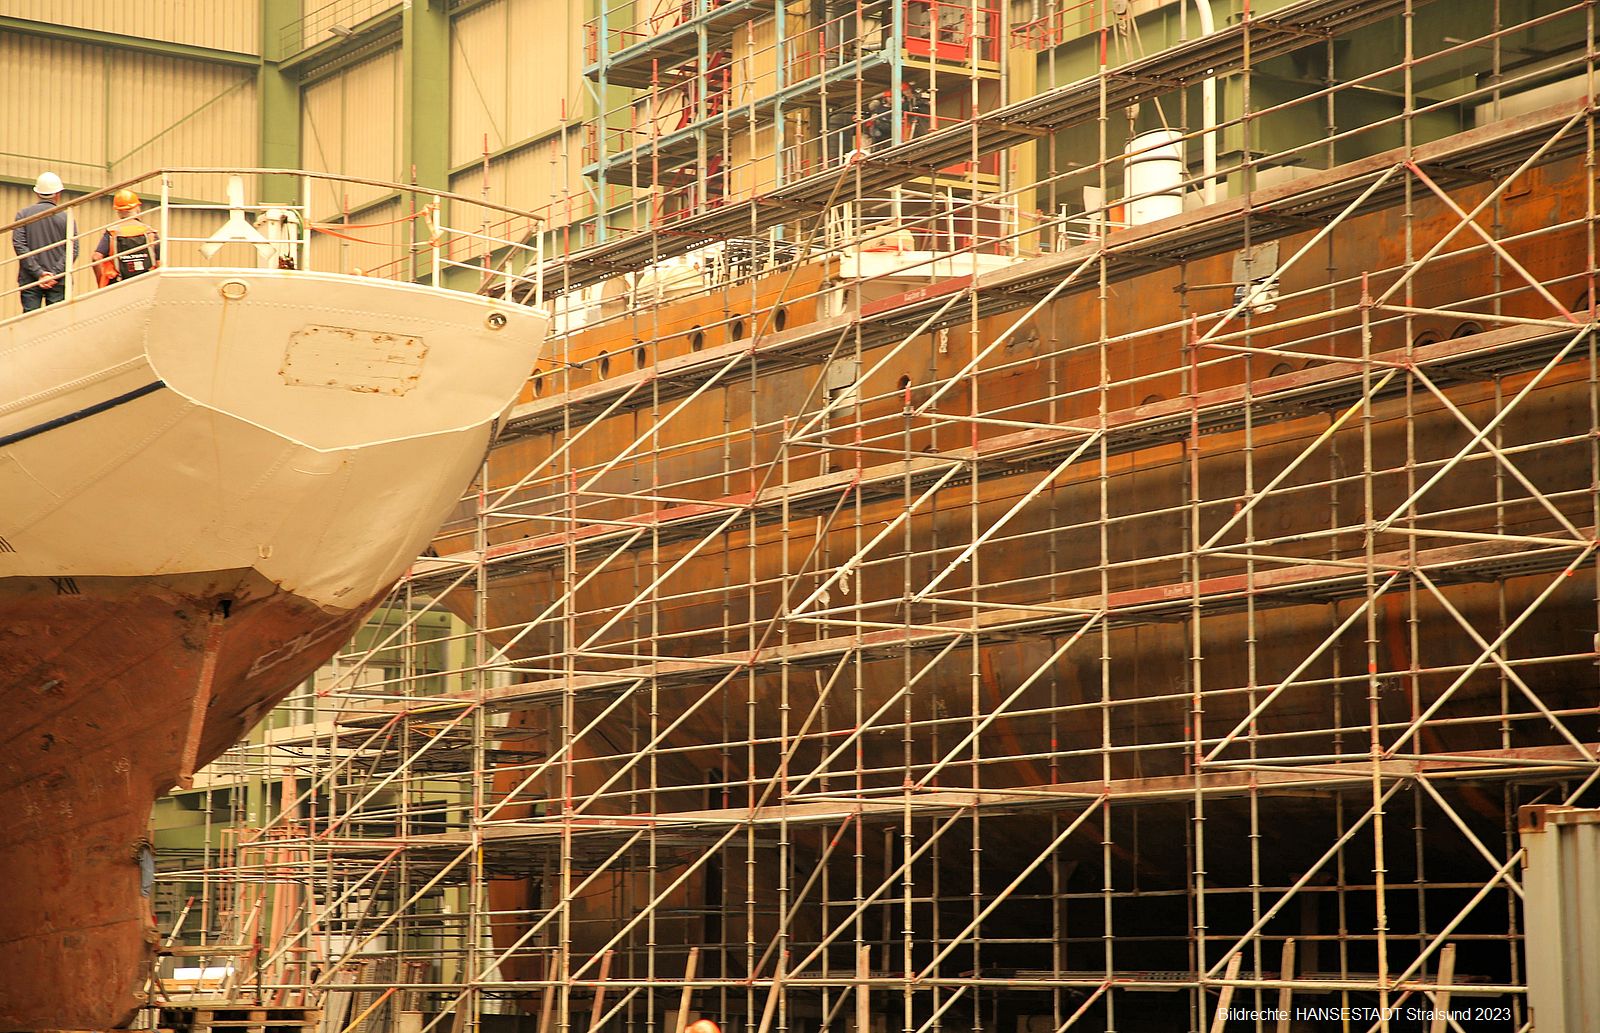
{"x":98,"y":679}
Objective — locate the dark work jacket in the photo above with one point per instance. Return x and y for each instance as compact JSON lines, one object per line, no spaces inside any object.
{"x":50,"y":230}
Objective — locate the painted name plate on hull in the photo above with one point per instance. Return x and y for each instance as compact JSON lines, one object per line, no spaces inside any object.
{"x":367,"y":361}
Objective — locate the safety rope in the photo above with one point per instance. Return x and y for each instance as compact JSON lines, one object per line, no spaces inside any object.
{"x":434,"y":237}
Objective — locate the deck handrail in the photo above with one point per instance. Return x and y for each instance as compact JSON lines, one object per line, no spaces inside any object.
{"x":452,"y":232}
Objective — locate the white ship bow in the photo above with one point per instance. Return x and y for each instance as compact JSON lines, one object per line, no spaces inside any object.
{"x":193,"y":420}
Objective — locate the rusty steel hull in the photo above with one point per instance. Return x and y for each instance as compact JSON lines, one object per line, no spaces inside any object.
{"x":100,"y":679}
{"x":1132,"y":702}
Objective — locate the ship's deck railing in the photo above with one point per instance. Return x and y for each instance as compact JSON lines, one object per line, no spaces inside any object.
{"x":714,"y":267}
{"x":292,"y":220}
{"x":936,"y":221}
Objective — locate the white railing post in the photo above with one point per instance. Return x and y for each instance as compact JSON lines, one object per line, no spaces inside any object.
{"x":70,"y":245}
{"x":164,"y":245}
{"x":305,"y":224}
{"x":950,"y":219}
{"x":538,"y":268}
{"x":436,"y":242}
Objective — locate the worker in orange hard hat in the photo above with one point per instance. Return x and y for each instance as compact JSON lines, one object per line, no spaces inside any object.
{"x":128,"y":247}
{"x":703,"y":1026}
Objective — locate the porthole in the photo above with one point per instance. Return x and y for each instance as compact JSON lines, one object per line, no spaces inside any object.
{"x":904,"y":382}
{"x":780,"y":319}
{"x":738,"y":330}
{"x":1280,"y":369}
{"x":1152,"y":399}
{"x":640,"y":357}
{"x":538,"y":382}
{"x":1425,"y":338}
{"x":697,"y":339}
{"x":605,"y":365}
{"x":1580,"y":306}
{"x":1466,"y":329}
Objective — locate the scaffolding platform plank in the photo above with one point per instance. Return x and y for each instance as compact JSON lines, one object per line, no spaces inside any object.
{"x":638,"y":64}
{"x":1552,"y":763}
{"x":237,"y":1018}
{"x":1301,"y":583}
{"x":1315,"y":391}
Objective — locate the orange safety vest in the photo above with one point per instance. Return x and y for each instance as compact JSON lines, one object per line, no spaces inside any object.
{"x":132,"y":251}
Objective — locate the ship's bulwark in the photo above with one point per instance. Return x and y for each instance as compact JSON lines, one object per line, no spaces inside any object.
{"x":98,"y":680}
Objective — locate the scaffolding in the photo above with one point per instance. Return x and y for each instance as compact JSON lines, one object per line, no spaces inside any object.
{"x":895,"y":606}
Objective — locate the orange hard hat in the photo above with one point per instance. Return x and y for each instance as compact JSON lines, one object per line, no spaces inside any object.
{"x":125,"y":200}
{"x":703,"y":1026}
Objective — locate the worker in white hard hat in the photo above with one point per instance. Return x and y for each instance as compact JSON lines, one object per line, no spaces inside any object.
{"x":41,"y":246}
{"x":128,"y":247}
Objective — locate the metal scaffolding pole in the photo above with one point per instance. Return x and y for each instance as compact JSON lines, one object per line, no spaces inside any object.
{"x":876,"y":615}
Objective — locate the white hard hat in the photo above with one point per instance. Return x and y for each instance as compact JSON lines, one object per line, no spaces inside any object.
{"x":48,"y":184}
